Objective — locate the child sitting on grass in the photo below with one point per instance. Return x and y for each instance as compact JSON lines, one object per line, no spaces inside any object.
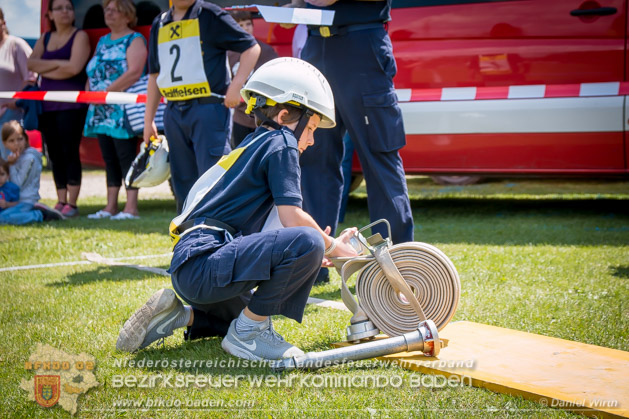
{"x":9,"y":191}
{"x":25,"y":167}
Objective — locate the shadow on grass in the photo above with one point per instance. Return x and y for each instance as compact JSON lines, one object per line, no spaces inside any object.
{"x":199,"y":356}
{"x":102,"y":274}
{"x":155,"y":216}
{"x":620,"y":271}
{"x":483,"y":220}
{"x":205,"y":355}
{"x":512,"y":221}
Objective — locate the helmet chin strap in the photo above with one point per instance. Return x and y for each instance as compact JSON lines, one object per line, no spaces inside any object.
{"x":265,"y":119}
{"x":301,"y":124}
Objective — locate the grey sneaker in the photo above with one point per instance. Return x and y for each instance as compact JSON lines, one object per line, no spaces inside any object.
{"x":153,"y":321}
{"x":49,"y":214}
{"x":69,"y":211}
{"x":258,"y":344}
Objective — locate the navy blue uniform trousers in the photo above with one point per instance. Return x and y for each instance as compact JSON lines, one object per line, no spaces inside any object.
{"x":282,"y":264}
{"x":198,"y":135}
{"x":360,"y":68}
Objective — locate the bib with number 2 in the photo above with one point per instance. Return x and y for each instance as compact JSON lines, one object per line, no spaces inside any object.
{"x":178,"y":80}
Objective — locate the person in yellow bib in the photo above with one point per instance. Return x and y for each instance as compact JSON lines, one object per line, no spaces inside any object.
{"x":187,"y":65}
{"x":227,"y":242}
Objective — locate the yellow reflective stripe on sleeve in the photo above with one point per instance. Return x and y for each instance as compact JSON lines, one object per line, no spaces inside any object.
{"x":228,"y":161}
{"x":204,"y":185}
{"x":174,"y":237}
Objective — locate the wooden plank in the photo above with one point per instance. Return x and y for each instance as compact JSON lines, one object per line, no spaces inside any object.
{"x":584,"y":378}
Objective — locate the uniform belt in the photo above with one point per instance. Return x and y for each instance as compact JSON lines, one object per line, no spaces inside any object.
{"x":200,"y":100}
{"x":208,"y":99}
{"x":327,"y":31}
{"x":210,"y":222}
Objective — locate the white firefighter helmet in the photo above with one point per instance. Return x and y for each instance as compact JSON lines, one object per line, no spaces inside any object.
{"x":292,"y":81}
{"x":150,"y":167}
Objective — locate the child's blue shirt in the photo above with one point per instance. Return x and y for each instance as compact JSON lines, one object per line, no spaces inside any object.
{"x":266,"y":174}
{"x":10,"y":192}
{"x":25,"y":173}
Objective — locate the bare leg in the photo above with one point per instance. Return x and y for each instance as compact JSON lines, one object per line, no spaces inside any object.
{"x":112,"y":199}
{"x":73,"y":194}
{"x":131,"y":207}
{"x":62,"y":196}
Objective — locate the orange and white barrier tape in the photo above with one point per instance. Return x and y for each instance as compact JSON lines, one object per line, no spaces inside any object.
{"x":537,"y":91}
{"x":99,"y":98}
{"x":75,"y":96}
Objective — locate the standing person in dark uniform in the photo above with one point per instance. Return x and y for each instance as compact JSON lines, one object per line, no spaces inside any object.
{"x":243,"y":123}
{"x":187,"y":56}
{"x":356,"y":57}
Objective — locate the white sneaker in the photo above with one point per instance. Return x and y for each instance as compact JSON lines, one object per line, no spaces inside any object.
{"x":257,"y":344}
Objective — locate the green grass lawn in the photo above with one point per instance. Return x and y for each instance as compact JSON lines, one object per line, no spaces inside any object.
{"x":549,"y":257}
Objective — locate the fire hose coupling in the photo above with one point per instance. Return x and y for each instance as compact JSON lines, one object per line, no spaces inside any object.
{"x":424,"y":339}
{"x":362,"y":330}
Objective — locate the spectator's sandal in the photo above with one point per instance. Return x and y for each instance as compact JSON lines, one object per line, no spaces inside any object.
{"x":124,"y":216}
{"x":99,"y":215}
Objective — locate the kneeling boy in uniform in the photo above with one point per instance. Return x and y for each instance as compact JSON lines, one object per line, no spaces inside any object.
{"x":223,"y":252}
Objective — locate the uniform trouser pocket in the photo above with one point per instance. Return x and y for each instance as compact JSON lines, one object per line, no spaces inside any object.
{"x":383,"y":119}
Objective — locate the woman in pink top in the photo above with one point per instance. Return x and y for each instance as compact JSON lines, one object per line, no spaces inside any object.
{"x":60,"y":57}
{"x":14,"y":74}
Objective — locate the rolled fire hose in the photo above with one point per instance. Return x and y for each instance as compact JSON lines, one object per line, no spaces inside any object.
{"x":421,"y":283}
{"x":408,"y":291}
{"x":430,"y":275}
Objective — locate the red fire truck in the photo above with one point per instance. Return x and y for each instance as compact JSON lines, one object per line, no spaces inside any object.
{"x":488,"y":87}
